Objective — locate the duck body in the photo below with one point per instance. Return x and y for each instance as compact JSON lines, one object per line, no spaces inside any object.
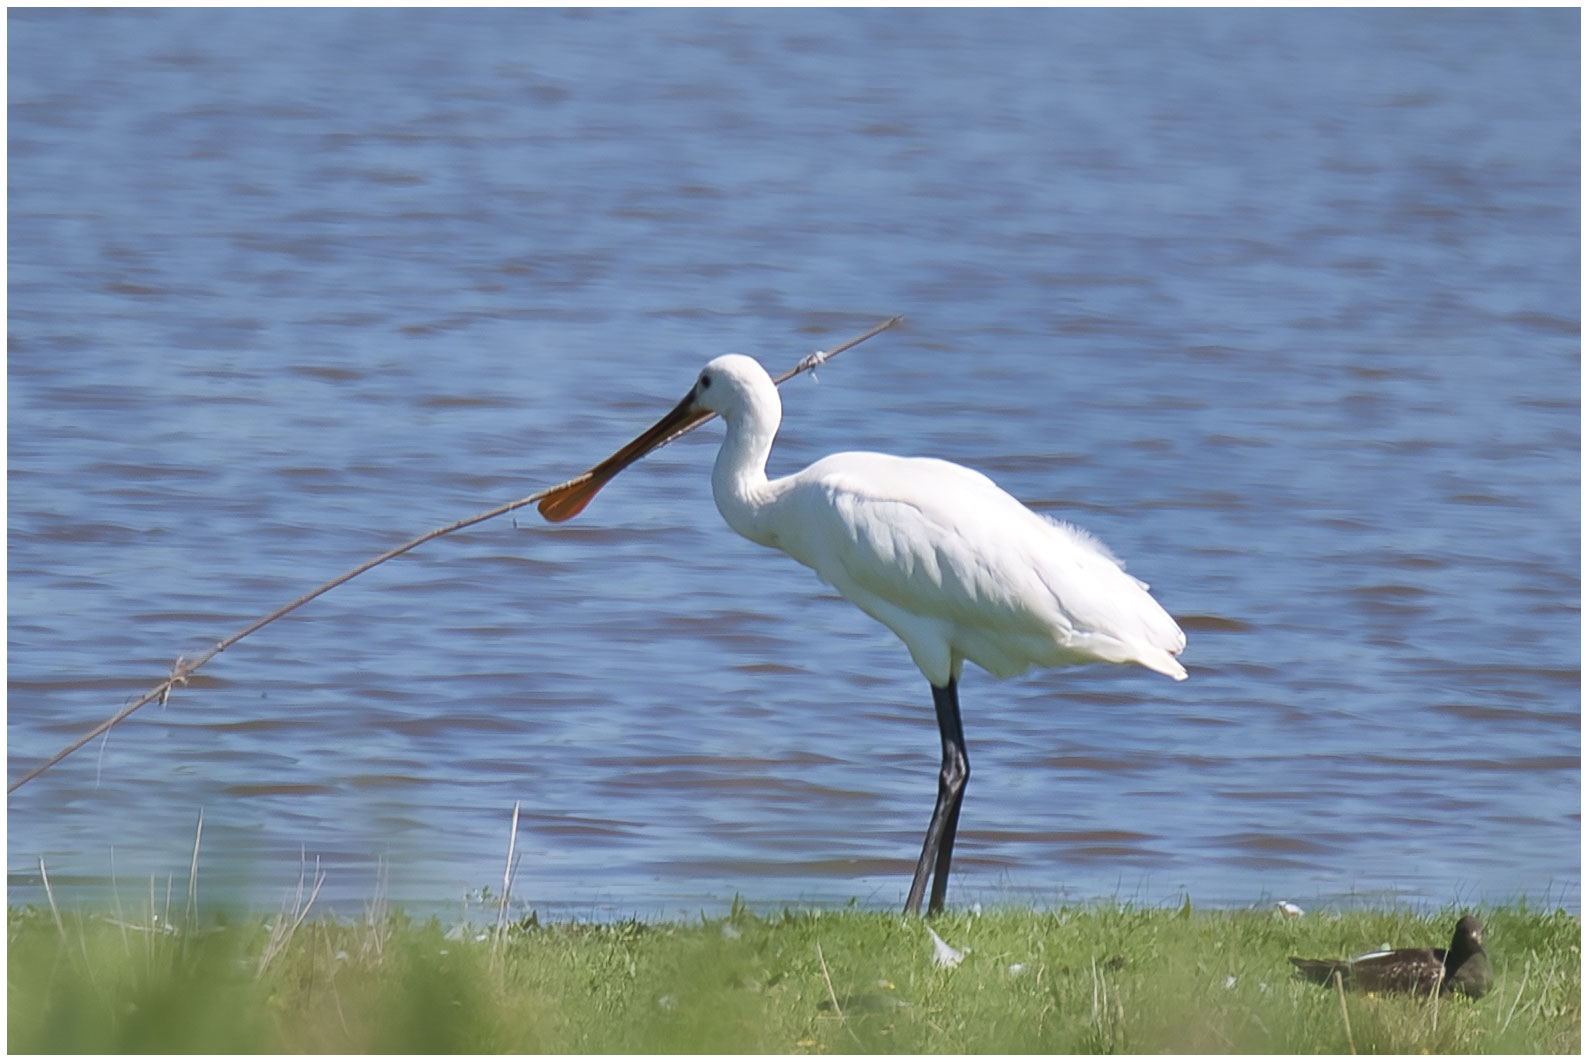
{"x":1462,"y":968}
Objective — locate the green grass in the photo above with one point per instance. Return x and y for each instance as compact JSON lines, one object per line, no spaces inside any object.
{"x":1092,"y":979}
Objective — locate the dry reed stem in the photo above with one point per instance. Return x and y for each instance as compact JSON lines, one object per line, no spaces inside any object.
{"x":832,"y":995}
{"x":376,"y":916}
{"x":1339,"y":985}
{"x":336,"y":995}
{"x":115,"y":896}
{"x":279,"y":937}
{"x":1094,"y":992}
{"x":192,"y":875}
{"x":49,"y":892}
{"x":1526,"y":967}
{"x":184,"y":668}
{"x":507,"y":882}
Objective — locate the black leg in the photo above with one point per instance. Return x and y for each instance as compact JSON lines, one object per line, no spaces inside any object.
{"x":938,"y":848}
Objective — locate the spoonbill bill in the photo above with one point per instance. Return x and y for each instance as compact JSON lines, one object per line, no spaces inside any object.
{"x":936,"y":552}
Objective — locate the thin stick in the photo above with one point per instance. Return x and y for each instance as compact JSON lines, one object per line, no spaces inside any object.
{"x":1339,"y":984}
{"x":184,"y":668}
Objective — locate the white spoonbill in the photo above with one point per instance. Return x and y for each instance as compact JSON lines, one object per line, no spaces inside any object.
{"x":937,"y":553}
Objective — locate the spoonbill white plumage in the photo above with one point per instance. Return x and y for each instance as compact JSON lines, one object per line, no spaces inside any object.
{"x":937,"y":553}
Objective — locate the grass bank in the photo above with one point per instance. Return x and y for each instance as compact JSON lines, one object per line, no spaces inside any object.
{"x":1094,"y":979}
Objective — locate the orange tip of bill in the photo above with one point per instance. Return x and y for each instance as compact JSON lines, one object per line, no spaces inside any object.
{"x":565,"y":503}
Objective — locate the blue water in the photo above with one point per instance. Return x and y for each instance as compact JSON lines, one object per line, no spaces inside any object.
{"x":1281,"y":305}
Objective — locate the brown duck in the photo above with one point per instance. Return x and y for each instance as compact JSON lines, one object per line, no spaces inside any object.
{"x":1463,"y":967}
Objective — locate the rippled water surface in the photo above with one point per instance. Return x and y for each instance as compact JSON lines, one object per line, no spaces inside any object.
{"x":1283,"y":306}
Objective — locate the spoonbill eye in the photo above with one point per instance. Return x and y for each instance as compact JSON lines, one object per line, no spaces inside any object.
{"x":705,"y":380}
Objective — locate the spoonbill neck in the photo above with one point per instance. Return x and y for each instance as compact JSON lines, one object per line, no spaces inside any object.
{"x":738,"y":478}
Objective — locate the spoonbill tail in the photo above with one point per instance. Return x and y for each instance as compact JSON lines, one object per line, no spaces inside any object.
{"x":937,"y":553}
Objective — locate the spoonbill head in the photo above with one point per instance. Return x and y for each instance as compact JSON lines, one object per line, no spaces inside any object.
{"x":936,"y":552}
